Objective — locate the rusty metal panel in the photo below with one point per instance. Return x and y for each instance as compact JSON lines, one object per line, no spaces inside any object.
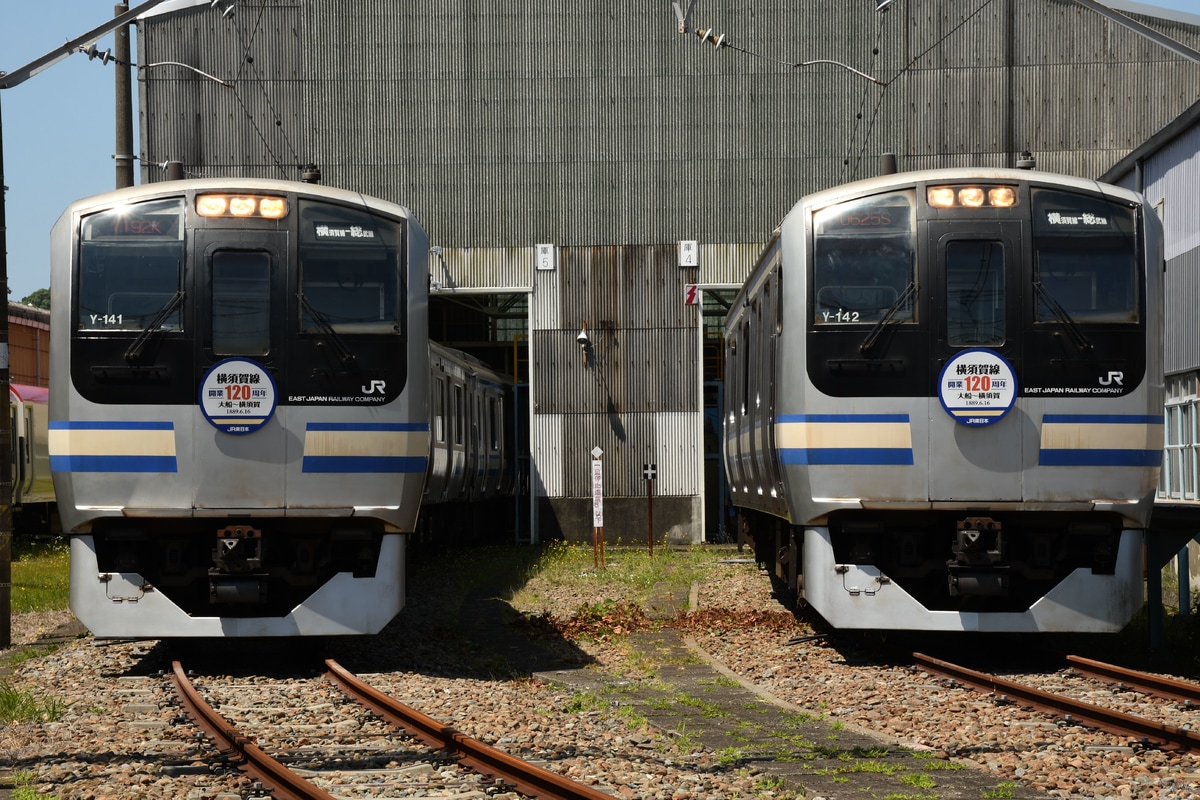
{"x":28,"y":344}
{"x":625,"y":440}
{"x":629,"y":442}
{"x":626,"y":371}
{"x":545,"y":312}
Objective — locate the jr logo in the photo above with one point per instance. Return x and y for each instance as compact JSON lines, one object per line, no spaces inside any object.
{"x":1114,"y":376}
{"x":376,"y":386}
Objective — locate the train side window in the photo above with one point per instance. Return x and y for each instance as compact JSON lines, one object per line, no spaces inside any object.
{"x":864,"y":260}
{"x":241,"y":303}
{"x":494,"y":416}
{"x":459,"y":412}
{"x":1086,"y":259}
{"x":130,"y":267}
{"x":974,"y":292}
{"x":439,"y":411}
{"x":744,"y":386}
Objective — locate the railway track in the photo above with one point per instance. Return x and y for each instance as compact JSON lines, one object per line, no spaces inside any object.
{"x":1143,"y":730}
{"x":443,"y":744}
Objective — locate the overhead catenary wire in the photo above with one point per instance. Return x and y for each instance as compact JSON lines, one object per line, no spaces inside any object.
{"x":247,"y":61}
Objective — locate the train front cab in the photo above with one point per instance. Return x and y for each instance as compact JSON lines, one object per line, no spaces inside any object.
{"x":915,"y":498}
{"x":239,"y":434}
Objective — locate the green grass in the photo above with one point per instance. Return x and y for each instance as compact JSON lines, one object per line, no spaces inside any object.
{"x":19,"y":706}
{"x":24,"y":785}
{"x":631,"y":569}
{"x":40,"y":576}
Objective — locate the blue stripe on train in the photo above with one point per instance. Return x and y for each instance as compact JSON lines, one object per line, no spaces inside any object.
{"x":366,"y":464}
{"x":113,"y":464}
{"x":857,"y":456}
{"x":1100,"y":458}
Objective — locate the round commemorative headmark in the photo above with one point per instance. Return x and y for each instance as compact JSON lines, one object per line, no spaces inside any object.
{"x":977,"y":387}
{"x":237,"y":396}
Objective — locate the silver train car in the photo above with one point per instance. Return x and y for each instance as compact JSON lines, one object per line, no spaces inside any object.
{"x":943,"y":401}
{"x":239,"y":408}
{"x":471,"y":450}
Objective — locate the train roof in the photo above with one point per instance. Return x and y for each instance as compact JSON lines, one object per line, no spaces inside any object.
{"x":28,"y":394}
{"x":467,"y":362}
{"x":881,"y":183}
{"x":170,"y":188}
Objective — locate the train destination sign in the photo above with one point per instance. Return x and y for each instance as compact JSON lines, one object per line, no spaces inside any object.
{"x":977,"y":387}
{"x":237,"y":396}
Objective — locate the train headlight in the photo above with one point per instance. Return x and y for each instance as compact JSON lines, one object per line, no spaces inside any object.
{"x":1002,"y":197}
{"x":941,"y":196}
{"x":272,"y":207}
{"x":242,"y":206}
{"x":971,"y":196}
{"x":211,"y":205}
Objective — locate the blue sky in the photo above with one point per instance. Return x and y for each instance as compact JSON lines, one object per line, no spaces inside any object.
{"x":59,"y":125}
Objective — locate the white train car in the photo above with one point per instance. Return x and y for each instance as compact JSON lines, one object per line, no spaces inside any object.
{"x":943,"y":401}
{"x":239,"y":407}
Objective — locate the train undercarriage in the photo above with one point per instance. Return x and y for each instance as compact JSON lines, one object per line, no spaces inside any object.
{"x":957,"y":570}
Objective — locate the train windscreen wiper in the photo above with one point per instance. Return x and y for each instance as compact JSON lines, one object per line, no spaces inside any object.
{"x":134,"y":351}
{"x":887,"y":318}
{"x":327,"y":329}
{"x":1063,"y":316}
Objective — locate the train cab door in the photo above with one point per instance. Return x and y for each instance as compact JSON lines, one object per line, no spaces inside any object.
{"x":974,"y":299}
{"x":241,"y":319}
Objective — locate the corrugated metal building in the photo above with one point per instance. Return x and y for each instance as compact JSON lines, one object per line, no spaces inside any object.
{"x":562,"y":155}
{"x":1167,"y":170}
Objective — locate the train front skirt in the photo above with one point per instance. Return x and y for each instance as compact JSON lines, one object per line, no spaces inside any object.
{"x":852,"y":596}
{"x":116,"y":605}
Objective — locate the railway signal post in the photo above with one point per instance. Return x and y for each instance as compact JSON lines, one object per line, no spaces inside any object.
{"x":597,"y":508}
{"x":650,"y":472}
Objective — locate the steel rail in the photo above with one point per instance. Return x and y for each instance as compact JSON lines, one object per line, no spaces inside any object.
{"x":1168,"y":737}
{"x":285,"y":784}
{"x":526,"y":778}
{"x":1158,"y":685}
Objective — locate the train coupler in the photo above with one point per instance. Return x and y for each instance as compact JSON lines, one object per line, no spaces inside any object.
{"x":238,"y":550}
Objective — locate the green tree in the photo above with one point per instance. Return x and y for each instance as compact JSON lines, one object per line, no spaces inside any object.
{"x":39,"y":299}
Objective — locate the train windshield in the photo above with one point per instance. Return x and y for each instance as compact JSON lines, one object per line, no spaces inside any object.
{"x":130,"y":267}
{"x":975,"y":292}
{"x":864,"y":256}
{"x":241,"y":303}
{"x":1086,"y":259}
{"x":350,"y":270}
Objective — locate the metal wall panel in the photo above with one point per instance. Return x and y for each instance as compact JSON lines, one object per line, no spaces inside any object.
{"x":679,"y":454}
{"x":495,"y":268}
{"x":1181,"y":337}
{"x":507,"y":124}
{"x":546,"y":455}
{"x":627,"y":371}
{"x":253,"y":127}
{"x":671,"y":441}
{"x":1171,"y":176}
